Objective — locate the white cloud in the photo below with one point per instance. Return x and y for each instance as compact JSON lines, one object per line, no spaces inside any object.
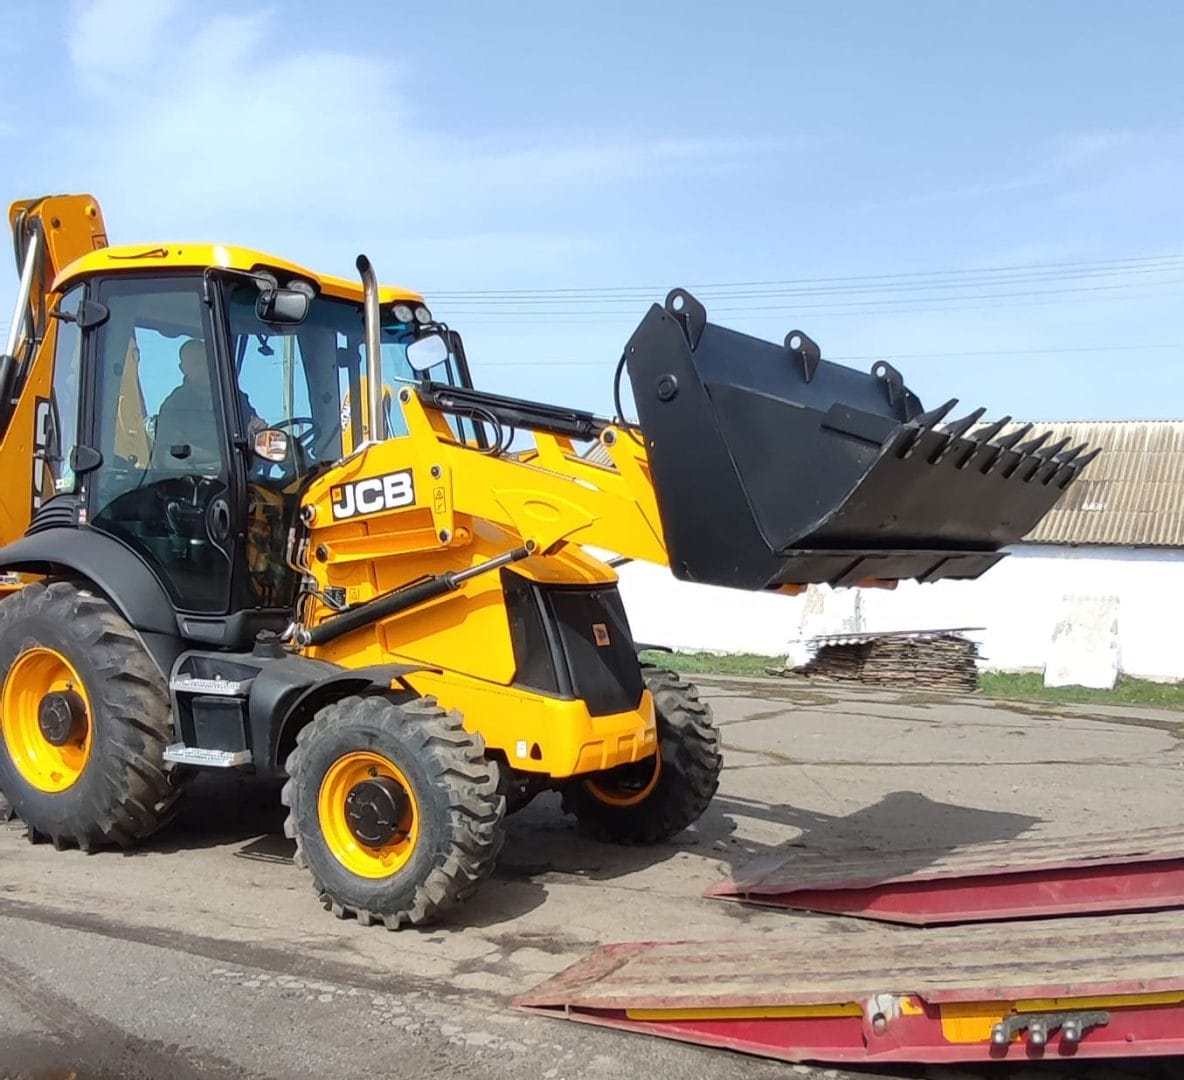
{"x":107,"y":38}
{"x":217,"y":127}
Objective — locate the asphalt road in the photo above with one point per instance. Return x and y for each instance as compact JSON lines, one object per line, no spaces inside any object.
{"x":205,"y":954}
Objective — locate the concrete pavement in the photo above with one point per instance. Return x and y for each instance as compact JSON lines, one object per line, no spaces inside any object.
{"x":206,"y":950}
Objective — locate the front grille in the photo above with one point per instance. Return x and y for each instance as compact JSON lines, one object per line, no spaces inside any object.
{"x":574,"y":641}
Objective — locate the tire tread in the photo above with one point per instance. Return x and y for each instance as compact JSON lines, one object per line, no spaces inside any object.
{"x":476,"y":807}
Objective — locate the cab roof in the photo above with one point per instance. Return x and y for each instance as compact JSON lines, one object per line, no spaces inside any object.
{"x":145,"y":257}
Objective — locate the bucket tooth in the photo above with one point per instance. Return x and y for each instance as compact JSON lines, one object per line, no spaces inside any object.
{"x":1008,"y":441}
{"x":1029,"y":448}
{"x":955,"y":430}
{"x":936,"y":416}
{"x":926,"y":422}
{"x":958,"y":428}
{"x":991,"y":430}
{"x":1072,"y":470}
{"x":1031,"y":458}
{"x":982,"y":441}
{"x":1005,"y":446}
{"x":1045,"y":461}
{"x":1050,"y":452}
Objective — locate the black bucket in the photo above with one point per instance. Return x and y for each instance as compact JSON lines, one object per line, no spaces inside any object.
{"x":775,"y":467}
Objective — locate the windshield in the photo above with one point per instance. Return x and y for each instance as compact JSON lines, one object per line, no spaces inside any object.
{"x":395,"y":338}
{"x":310,"y":379}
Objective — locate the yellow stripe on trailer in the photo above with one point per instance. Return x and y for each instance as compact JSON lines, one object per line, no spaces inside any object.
{"x":749,"y":1012}
{"x":972,"y":1022}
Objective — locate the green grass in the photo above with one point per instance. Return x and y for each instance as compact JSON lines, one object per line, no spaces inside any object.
{"x":1023,"y":687}
{"x":705,"y":663}
{"x":1030,"y":687}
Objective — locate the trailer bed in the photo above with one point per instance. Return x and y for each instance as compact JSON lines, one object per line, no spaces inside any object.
{"x":1100,"y":987}
{"x":1037,"y":877}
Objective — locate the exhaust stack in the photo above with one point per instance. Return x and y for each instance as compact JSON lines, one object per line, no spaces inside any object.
{"x":373,"y":425}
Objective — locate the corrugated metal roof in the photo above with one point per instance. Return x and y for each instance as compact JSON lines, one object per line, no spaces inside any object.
{"x":599,"y":454}
{"x":1132,"y":494}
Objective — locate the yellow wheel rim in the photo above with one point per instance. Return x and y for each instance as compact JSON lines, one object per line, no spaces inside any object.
{"x":345,"y":778}
{"x":626,"y":794}
{"x":37,"y":673}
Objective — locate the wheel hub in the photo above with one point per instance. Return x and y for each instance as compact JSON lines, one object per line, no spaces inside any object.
{"x":373,"y":810}
{"x":60,"y":716}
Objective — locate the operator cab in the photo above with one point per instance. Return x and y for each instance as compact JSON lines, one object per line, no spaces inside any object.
{"x":191,"y":409}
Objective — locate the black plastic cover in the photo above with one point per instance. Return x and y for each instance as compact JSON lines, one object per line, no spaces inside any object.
{"x":772,"y":466}
{"x":573,"y":641}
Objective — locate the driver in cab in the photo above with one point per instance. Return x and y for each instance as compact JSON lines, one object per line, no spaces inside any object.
{"x":186,"y":427}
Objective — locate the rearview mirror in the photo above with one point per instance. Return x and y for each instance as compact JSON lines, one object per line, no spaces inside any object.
{"x":286,"y":306}
{"x":425,"y":353}
{"x":272,"y":445}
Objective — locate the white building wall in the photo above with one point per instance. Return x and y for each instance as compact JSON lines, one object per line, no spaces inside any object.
{"x":1019,"y":603}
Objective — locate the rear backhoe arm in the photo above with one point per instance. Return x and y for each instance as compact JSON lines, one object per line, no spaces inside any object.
{"x":48,"y":234}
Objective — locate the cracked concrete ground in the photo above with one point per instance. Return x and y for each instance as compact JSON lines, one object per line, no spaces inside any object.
{"x":204,"y":953}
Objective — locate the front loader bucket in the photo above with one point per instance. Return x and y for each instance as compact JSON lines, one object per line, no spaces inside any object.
{"x":775,"y":467}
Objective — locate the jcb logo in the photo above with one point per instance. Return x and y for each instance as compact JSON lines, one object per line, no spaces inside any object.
{"x":373,"y":495}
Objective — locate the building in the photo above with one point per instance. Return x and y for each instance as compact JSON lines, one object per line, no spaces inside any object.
{"x":1106,"y":567}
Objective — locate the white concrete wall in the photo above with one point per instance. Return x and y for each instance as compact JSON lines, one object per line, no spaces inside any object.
{"x":1019,"y":602}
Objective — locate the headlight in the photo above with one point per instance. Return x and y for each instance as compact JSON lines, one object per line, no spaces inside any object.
{"x":422,"y":315}
{"x":404,"y":313}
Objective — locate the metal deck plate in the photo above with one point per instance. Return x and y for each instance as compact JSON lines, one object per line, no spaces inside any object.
{"x":1032,"y":878}
{"x":872,"y":993}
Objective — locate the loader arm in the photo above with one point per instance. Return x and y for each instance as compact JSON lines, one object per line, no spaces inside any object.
{"x":757,"y":466}
{"x":548,"y":497}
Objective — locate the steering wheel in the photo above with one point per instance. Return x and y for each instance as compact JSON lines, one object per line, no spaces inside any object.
{"x":306,"y":439}
{"x":183,"y":501}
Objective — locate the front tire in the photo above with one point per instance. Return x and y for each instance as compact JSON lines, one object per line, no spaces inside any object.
{"x":655,"y":799}
{"x":84,"y":720}
{"x":395,"y":809}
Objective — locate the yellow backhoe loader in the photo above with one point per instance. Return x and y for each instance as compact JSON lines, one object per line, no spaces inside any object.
{"x":254,"y":517}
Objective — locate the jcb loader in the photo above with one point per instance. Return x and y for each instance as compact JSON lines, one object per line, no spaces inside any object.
{"x":258,"y":518}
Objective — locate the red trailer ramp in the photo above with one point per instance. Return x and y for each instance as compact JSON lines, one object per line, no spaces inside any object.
{"x":1084,"y":988}
{"x":1030,"y":878}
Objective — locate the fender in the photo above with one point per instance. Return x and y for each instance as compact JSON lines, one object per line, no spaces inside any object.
{"x":115,"y":571}
{"x":288,"y":692}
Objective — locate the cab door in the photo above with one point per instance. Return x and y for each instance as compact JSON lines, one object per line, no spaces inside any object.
{"x":163,"y":483}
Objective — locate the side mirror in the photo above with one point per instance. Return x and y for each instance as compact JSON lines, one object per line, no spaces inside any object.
{"x":425,"y":353}
{"x":272,"y":445}
{"x":285,"y":306}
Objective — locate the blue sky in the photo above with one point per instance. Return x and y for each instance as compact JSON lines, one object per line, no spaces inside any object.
{"x":515,"y":148}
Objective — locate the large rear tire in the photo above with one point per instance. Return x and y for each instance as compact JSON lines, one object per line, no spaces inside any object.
{"x":655,"y":799}
{"x":395,"y":809}
{"x":84,"y":720}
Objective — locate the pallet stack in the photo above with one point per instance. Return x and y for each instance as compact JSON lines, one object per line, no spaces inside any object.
{"x":919,"y":660}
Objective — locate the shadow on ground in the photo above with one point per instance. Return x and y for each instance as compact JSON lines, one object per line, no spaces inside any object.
{"x":544,"y":847}
{"x":542,"y":844}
